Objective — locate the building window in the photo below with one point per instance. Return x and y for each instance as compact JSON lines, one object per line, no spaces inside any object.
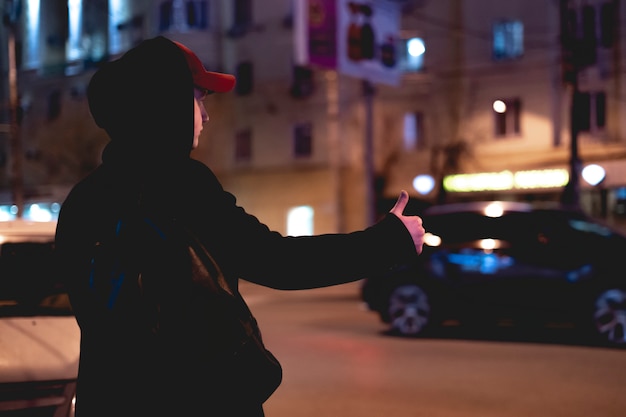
{"x":590,"y":110}
{"x":508,"y":40}
{"x":582,"y":109}
{"x":75,"y":22}
{"x":507,"y":117}
{"x":243,"y":13}
{"x":587,"y":28}
{"x":125,"y":28}
{"x":303,"y":83}
{"x":54,"y":105}
{"x":302,"y":140}
{"x":300,"y":221}
{"x":165,"y":15}
{"x":413,"y":131}
{"x":588,"y":43}
{"x":242,"y":18}
{"x":183,"y":15}
{"x":245,"y":78}
{"x":620,"y":201}
{"x":608,"y":24}
{"x":600,"y":107}
{"x":30,"y":52}
{"x":197,"y":14}
{"x":287,"y":20}
{"x":243,"y":145}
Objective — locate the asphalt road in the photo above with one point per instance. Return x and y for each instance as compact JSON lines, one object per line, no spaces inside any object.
{"x":338,"y":362}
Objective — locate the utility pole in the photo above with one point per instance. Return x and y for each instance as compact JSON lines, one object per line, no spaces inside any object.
{"x":10,"y":18}
{"x":571,"y":193}
{"x":570,"y":69}
{"x":577,"y":52}
{"x":369,"y":92}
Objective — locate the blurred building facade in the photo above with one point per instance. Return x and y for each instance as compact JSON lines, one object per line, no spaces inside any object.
{"x":484,"y":106}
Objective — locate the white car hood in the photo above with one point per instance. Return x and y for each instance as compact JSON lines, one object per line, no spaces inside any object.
{"x":38,"y":348}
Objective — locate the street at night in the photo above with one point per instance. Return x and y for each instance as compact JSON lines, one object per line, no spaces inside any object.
{"x":338,"y":361}
{"x":467,"y":157}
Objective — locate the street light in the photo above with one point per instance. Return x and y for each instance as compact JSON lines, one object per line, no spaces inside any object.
{"x":423,"y":184}
{"x":594,"y":175}
{"x":499,"y":106}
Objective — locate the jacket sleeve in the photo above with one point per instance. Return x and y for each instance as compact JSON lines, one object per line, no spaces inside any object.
{"x":246,"y":248}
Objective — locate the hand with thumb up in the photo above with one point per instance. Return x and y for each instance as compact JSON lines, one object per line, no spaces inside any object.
{"x":412,"y":223}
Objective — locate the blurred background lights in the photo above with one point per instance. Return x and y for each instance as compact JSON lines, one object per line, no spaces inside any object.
{"x":36,"y":212}
{"x":423,"y":184}
{"x":416,"y":47}
{"x":431,"y":240}
{"x":499,"y":106}
{"x":593,"y":174}
{"x":300,"y":221}
{"x":488,"y":244}
{"x":494,"y":210}
{"x":5,"y":214}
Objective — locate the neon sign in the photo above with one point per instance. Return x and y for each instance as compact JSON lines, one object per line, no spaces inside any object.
{"x":506,"y":180}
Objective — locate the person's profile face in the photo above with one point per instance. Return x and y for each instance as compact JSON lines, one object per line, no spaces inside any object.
{"x":200,"y":115}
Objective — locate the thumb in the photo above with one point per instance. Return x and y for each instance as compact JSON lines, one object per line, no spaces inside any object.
{"x":398,"y":208}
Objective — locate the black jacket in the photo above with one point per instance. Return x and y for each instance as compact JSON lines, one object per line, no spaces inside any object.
{"x":144,"y":101}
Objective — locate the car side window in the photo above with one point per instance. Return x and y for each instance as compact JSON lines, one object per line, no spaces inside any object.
{"x":458,"y":228}
{"x":28,"y":285}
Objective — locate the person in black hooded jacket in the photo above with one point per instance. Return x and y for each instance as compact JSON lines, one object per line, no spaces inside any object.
{"x":149,"y":102}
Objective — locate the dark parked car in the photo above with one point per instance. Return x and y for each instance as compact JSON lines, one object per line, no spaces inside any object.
{"x":485,"y":262}
{"x":39,"y":336}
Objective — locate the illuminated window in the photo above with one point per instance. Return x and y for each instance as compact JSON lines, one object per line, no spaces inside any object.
{"x":183,"y":15}
{"x":620,"y":201}
{"x":507,"y":117}
{"x":300,"y":221}
{"x":75,"y":18}
{"x":413,"y":131}
{"x":126,"y":29}
{"x":30,"y":55}
{"x":508,"y":39}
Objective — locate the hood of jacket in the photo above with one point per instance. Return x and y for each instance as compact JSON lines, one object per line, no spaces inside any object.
{"x":144,"y":101}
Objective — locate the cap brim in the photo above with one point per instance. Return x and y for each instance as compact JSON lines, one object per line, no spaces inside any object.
{"x":208,"y":80}
{"x":214,"y":81}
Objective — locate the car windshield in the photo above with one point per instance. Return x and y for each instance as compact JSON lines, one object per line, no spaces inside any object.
{"x":463,"y":227}
{"x":28,"y":286}
{"x":469,"y":226}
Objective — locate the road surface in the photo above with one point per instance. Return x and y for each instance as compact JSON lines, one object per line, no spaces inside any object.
{"x":338,"y":362}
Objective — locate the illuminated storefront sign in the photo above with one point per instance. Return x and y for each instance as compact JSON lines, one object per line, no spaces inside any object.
{"x":506,"y":180}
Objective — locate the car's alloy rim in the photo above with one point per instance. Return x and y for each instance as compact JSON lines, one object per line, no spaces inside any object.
{"x":409,"y":309}
{"x":610,"y":315}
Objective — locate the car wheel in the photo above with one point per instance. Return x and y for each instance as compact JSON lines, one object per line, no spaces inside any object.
{"x":609,"y":316}
{"x":409,"y":310}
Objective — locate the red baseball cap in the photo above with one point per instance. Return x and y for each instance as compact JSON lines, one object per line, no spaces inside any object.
{"x":208,"y":80}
